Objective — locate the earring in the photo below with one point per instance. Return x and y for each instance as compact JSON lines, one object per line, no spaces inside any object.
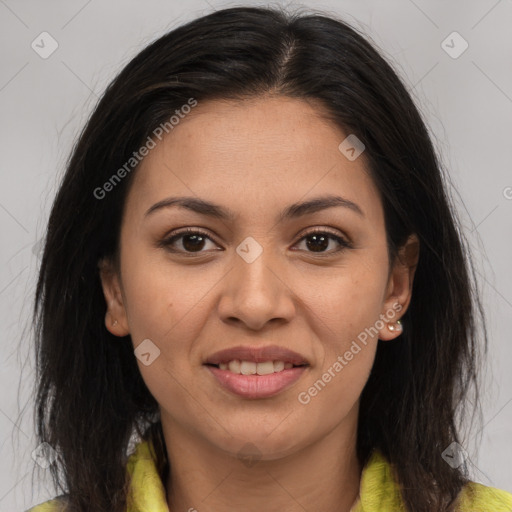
{"x":396,"y":327}
{"x":115,"y":323}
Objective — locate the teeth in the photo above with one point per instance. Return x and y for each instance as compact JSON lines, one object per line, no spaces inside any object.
{"x":252,"y":368}
{"x":248,"y":368}
{"x":266,"y":368}
{"x":234,"y":366}
{"x":278,"y":366}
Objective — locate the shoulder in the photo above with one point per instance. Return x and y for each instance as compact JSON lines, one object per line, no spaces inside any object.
{"x":140,"y":467}
{"x":55,"y":505}
{"x":475,"y":497}
{"x":380,"y":491}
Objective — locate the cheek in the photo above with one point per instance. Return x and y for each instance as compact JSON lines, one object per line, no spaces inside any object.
{"x":166,"y":305}
{"x":343,"y":318}
{"x":162,"y":300}
{"x":344,"y":315}
{"x":349,"y":302}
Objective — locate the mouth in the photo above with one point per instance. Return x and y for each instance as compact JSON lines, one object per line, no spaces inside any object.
{"x":257,"y":360}
{"x":256,"y":372}
{"x":253,"y":368}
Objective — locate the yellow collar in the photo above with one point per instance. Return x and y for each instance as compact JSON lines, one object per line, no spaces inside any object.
{"x":378,"y":489}
{"x":147,"y":492}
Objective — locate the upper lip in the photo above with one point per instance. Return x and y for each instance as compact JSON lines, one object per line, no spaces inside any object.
{"x":257,"y":355}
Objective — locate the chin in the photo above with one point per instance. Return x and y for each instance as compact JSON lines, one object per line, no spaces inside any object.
{"x":259,"y":445}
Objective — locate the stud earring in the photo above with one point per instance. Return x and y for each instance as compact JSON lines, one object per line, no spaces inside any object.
{"x":396,"y":327}
{"x":115,"y":323}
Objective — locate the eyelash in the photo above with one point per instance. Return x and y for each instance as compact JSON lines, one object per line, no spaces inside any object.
{"x":168,"y":241}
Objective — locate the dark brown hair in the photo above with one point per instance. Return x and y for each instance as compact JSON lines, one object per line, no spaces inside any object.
{"x":91,"y":399}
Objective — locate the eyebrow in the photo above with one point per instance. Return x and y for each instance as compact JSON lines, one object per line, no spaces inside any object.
{"x":293,"y":211}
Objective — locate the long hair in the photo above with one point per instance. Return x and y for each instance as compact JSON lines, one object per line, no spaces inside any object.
{"x":90,"y":396}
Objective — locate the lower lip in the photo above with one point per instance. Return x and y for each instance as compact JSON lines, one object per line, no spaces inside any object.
{"x":257,"y":386}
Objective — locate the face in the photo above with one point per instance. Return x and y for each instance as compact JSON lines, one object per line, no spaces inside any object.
{"x":309,"y":280}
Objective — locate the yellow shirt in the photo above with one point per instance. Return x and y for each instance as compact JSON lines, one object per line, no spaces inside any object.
{"x":378,"y":490}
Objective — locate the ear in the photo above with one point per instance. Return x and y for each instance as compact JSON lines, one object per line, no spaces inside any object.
{"x":115,"y":317}
{"x":399,"y":288}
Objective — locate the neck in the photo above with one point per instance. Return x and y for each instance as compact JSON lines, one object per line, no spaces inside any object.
{"x":324,"y":475}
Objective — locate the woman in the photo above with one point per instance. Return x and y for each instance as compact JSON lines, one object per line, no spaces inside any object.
{"x":254,"y":293}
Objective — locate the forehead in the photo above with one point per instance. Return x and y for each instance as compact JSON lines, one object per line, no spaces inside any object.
{"x":252,"y":155}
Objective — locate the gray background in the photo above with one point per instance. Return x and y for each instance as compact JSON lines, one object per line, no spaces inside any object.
{"x":467,"y":102}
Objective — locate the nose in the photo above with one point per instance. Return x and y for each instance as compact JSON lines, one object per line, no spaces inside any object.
{"x":256,"y":292}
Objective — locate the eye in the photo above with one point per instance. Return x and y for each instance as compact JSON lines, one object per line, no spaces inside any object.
{"x":319,"y":240}
{"x":194,"y":240}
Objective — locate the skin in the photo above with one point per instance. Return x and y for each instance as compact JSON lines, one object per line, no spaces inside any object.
{"x":256,"y":157}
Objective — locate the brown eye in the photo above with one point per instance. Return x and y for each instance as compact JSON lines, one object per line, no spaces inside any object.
{"x":192,"y":241}
{"x":318,"y":241}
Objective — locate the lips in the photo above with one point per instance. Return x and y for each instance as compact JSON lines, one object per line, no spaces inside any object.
{"x":256,"y":372}
{"x":257,"y":355}
{"x":254,"y":387}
